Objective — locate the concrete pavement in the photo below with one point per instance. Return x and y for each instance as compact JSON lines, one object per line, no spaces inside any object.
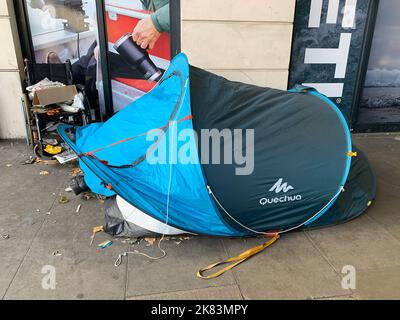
{"x":301,"y":265}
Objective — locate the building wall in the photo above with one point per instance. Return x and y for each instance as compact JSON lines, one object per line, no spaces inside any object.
{"x":248,"y":41}
{"x":12,"y":123}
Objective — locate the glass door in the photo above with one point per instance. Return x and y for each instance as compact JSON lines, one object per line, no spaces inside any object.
{"x":119,"y":49}
{"x":139,"y":46}
{"x":66,"y":30}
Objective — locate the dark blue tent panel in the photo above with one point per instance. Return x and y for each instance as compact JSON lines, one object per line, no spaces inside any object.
{"x":299,"y":160}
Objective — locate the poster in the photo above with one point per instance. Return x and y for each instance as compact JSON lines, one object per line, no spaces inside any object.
{"x":327,"y":48}
{"x":380,"y":102}
{"x":138,"y":33}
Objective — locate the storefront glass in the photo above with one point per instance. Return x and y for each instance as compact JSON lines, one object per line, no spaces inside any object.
{"x":380,"y":103}
{"x":67,"y":28}
{"x":135,"y":71}
{"x":62,"y":30}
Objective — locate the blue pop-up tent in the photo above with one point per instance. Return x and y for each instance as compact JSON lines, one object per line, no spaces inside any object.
{"x":298,"y":168}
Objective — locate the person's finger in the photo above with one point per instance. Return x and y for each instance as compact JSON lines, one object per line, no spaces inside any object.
{"x":144,"y":44}
{"x":135,"y":36}
{"x":140,"y":39}
{"x":152,"y":44}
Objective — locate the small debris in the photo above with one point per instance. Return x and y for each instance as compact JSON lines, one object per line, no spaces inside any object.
{"x":150,"y":241}
{"x":75,"y":171}
{"x":94,"y":231}
{"x":78,"y":208}
{"x":397,"y":138}
{"x":105,"y":244}
{"x":44,"y":173}
{"x":100,"y":198}
{"x":37,"y":210}
{"x":130,"y":241}
{"x":48,"y":212}
{"x":69,"y":189}
{"x":178,"y":242}
{"x":63,"y":200}
{"x":9,"y":165}
{"x":57,"y":253}
{"x":30,"y":160}
{"x":87,"y":195}
{"x":4,"y":236}
{"x":50,"y":141}
{"x":51,"y":162}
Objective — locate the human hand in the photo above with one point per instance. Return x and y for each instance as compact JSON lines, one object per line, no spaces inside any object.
{"x":145,"y":33}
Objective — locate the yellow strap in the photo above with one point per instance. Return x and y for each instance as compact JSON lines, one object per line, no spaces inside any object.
{"x":236,"y":260}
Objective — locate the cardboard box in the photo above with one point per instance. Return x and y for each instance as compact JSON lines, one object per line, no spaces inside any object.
{"x":44,"y":97}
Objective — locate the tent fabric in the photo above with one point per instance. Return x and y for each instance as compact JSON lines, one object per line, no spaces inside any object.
{"x":358,"y":194}
{"x":299,"y":138}
{"x":146,"y":185}
{"x":301,"y":145}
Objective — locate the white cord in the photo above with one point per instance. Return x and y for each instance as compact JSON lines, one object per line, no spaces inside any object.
{"x":222,"y":207}
{"x":278,"y":232}
{"x":163,"y":253}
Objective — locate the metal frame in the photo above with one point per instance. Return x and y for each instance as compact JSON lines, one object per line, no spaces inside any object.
{"x":105,"y":65}
{"x":24,"y":30}
{"x":175,"y":23}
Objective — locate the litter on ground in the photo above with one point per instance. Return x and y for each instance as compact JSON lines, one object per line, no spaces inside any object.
{"x":57,"y":253}
{"x":63,"y":200}
{"x":150,"y":241}
{"x":105,"y":244}
{"x":75,"y":172}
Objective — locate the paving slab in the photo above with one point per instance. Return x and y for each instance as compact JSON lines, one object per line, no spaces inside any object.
{"x":13,"y":151}
{"x":378,"y":283}
{"x":177,"y":270}
{"x":24,"y":201}
{"x":302,"y":265}
{"x":82,"y":271}
{"x":231,"y":292}
{"x":387,"y":215}
{"x":14,"y":249}
{"x":345,"y":297}
{"x":374,"y":144}
{"x":290,"y":269}
{"x":362,"y":243}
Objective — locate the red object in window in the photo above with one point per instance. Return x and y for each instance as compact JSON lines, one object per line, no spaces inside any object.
{"x":119,"y":24}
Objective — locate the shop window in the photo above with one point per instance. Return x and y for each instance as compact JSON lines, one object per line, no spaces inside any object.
{"x":380,"y":101}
